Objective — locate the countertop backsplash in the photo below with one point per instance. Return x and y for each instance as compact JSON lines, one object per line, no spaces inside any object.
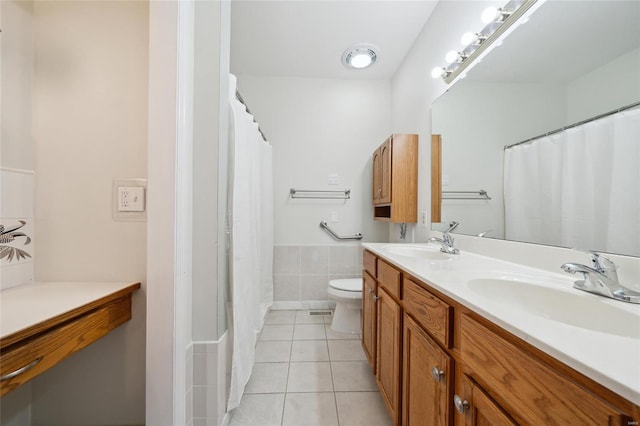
{"x":17,"y":246}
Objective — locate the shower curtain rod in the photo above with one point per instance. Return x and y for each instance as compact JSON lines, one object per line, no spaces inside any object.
{"x":579,"y":123}
{"x":239,"y":97}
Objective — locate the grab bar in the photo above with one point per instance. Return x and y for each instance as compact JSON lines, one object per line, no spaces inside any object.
{"x":466,"y":195}
{"x":331,"y":232}
{"x":321,"y":194}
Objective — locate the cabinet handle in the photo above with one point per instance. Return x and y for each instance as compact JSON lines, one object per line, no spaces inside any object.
{"x":461,"y":405}
{"x":437,"y":374}
{"x":370,"y":290}
{"x":379,"y":192}
{"x":21,"y":370}
{"x":375,"y":298}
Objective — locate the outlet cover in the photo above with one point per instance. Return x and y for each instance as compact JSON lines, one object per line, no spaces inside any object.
{"x":129,"y":200}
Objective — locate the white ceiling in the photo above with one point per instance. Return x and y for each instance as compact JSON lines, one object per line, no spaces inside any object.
{"x":306,"y":38}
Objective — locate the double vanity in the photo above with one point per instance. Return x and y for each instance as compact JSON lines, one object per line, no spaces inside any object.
{"x":470,"y":340}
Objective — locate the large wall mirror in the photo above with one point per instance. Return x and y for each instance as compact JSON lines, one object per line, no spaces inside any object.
{"x":580,"y":187}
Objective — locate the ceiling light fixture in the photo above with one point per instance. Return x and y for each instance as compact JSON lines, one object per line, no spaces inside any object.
{"x":360,"y":56}
{"x":499,"y":22}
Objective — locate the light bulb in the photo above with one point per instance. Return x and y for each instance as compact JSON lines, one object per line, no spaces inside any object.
{"x":490,"y":14}
{"x":437,"y":72}
{"x":468,"y":38}
{"x":451,"y":56}
{"x":360,"y":60}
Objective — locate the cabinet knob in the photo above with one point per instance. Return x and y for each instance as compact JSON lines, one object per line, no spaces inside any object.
{"x":370,"y":290}
{"x":461,"y":405}
{"x":437,"y":374}
{"x":375,"y":298}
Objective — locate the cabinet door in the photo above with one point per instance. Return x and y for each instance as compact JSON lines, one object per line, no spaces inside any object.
{"x":377,"y":177}
{"x":369,"y":316}
{"x":385,"y":159}
{"x":478,"y":408}
{"x":426,"y":379}
{"x":389,"y":346}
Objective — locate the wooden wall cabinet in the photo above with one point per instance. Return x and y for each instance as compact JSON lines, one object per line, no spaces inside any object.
{"x":395,"y":179}
{"x":439,"y":363}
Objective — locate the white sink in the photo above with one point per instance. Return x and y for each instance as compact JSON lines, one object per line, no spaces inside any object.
{"x":417,"y":251}
{"x":565,"y":305}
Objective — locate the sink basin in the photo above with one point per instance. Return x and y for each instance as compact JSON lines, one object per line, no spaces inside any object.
{"x":563,"y":305}
{"x":424,"y":252}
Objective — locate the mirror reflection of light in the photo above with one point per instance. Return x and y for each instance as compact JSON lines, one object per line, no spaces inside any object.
{"x":451,"y":56}
{"x":490,"y":14}
{"x":468,"y":38}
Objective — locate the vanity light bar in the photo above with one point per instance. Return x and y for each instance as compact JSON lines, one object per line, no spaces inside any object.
{"x":478,"y":44}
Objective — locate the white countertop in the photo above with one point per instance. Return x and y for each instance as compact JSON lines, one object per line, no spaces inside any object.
{"x":26,"y":305}
{"x":609,"y":359}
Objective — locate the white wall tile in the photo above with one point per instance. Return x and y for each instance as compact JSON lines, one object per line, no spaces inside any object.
{"x":314,"y":260}
{"x":314,"y":287}
{"x":286,"y":287}
{"x":343,"y":260}
{"x":286,"y":260}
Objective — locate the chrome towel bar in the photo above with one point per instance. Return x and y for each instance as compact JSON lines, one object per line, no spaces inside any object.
{"x":331,"y":232}
{"x":320,"y":194}
{"x":466,"y":195}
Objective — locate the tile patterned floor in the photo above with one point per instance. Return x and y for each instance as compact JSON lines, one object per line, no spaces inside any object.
{"x":307,"y":374}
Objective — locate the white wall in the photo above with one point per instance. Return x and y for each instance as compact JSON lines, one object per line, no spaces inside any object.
{"x":89,"y":124}
{"x":16,"y":85}
{"x":476,"y":120}
{"x":320,"y":127}
{"x":413,"y":90}
{"x":606,"y":88}
{"x":211,"y":86}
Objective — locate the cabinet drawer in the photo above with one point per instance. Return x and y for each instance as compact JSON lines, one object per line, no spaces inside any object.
{"x":369,"y":263}
{"x":529,"y":390}
{"x":389,"y":278}
{"x":431,"y":313}
{"x":43,"y":351}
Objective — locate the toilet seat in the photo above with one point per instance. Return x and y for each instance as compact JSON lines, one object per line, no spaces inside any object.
{"x":347,"y":284}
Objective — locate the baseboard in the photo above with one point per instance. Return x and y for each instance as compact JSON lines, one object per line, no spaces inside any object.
{"x":286,"y":305}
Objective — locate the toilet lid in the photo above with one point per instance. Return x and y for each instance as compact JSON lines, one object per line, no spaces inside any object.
{"x":347,"y":284}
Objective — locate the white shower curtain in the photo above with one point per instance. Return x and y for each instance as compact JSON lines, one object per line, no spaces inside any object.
{"x":251,"y":252}
{"x":578,"y":188}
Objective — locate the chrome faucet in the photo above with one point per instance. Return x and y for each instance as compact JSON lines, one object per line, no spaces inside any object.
{"x":602,"y":279}
{"x":447,"y":240}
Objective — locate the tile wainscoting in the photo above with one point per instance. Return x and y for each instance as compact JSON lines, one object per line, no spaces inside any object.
{"x":301,"y":274}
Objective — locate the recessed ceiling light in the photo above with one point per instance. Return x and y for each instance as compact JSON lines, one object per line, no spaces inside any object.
{"x":360,"y":56}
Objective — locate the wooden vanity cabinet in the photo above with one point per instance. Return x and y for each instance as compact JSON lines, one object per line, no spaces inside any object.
{"x":395,"y":179}
{"x":369,"y":318}
{"x":474,"y":407}
{"x":530,"y":391}
{"x":389,"y":355}
{"x":439,"y":363}
{"x":427,"y":378}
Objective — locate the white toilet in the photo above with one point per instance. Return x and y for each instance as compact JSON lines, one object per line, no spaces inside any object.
{"x":347,"y":294}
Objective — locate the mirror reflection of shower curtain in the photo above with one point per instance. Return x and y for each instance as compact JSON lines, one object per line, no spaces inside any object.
{"x":251,"y":252}
{"x":558,"y":185}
